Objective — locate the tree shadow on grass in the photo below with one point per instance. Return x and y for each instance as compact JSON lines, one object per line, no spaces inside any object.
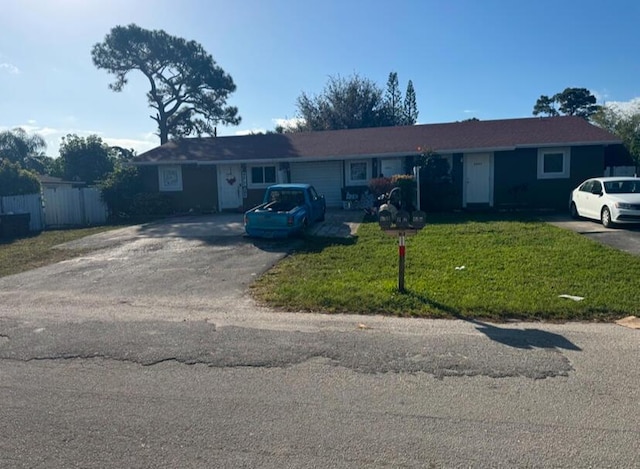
{"x":527,"y":339}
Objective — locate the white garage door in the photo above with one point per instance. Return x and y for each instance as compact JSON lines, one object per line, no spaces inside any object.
{"x":325,"y":176}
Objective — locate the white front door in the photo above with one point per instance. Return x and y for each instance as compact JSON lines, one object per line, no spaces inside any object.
{"x":230,"y":186}
{"x":478,"y":176}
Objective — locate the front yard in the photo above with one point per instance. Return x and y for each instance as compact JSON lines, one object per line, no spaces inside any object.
{"x":37,"y":250}
{"x":472,"y":266}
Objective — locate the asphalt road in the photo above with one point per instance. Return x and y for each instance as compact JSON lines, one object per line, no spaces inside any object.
{"x":149,"y":353}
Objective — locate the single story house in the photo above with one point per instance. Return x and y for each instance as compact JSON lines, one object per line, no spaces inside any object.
{"x":530,"y":162}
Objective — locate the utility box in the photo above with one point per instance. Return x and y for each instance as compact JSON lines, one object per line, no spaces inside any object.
{"x":14,"y":225}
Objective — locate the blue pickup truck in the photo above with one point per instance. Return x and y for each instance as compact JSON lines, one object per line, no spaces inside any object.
{"x":286,"y":210}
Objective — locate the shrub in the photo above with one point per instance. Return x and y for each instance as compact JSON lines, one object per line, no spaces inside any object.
{"x":151,"y":204}
{"x":379,"y":186}
{"x":408,"y":191}
{"x":119,"y":190}
{"x":17,"y":181}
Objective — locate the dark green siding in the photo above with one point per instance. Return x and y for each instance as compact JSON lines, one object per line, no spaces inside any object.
{"x":199,"y":189}
{"x":515,"y":178}
{"x":586,"y":162}
{"x":149,"y":178}
{"x":516,"y":183}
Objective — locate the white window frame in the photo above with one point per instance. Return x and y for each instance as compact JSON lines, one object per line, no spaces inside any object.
{"x":566,"y":163}
{"x":262,"y":184}
{"x":358,"y":182}
{"x":170,"y":178}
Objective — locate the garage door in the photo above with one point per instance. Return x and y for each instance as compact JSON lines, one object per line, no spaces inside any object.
{"x":325,"y":176}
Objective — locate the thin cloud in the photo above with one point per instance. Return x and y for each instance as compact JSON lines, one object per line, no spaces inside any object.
{"x":53,"y":137}
{"x":288,"y":124}
{"x":625,"y":107}
{"x":10,"y":68}
{"x":139,"y":145}
{"x":250,"y":132}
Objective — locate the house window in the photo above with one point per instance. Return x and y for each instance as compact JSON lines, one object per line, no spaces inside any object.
{"x":263,"y":175}
{"x":357,"y":172}
{"x":170,"y":178}
{"x":553,"y":163}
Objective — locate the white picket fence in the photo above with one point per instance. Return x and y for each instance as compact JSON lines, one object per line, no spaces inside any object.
{"x":59,"y":208}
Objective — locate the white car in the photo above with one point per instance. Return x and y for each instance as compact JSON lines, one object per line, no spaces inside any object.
{"x":608,"y":199}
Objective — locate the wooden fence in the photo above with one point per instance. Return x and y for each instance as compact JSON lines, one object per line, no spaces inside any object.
{"x":58,"y":208}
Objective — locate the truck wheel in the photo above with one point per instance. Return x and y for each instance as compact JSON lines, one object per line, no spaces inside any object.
{"x":304,"y":228}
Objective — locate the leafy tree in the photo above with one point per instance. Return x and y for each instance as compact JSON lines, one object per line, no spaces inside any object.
{"x":85,"y":159}
{"x":19,"y":147}
{"x":393,"y":101}
{"x":120,"y":154}
{"x":188,"y":90}
{"x":545,"y":105}
{"x":343,"y":104}
{"x":571,"y":102}
{"x":626,"y":125}
{"x":17,"y":181}
{"x":410,"y":107}
{"x":120,"y":188}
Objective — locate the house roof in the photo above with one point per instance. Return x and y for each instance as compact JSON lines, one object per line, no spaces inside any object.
{"x":454,"y":137}
{"x":52,"y":181}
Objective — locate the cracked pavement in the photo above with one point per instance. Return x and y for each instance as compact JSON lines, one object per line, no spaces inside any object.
{"x":367,"y":351}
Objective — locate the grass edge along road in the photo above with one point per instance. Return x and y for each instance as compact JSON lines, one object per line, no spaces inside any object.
{"x":488,"y":266}
{"x":514,"y":268}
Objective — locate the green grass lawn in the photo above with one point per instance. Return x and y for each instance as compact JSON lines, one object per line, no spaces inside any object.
{"x":34,"y":251}
{"x":514,"y":268}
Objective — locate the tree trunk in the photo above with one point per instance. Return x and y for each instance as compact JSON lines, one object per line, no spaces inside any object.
{"x":163,"y":131}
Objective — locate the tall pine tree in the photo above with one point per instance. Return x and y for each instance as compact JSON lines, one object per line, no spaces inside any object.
{"x":393,"y":101}
{"x":410,"y":108}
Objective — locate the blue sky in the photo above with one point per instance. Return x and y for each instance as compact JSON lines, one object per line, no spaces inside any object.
{"x":488,"y":59}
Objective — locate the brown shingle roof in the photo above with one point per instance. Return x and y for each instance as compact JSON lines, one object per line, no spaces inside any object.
{"x":443,"y":138}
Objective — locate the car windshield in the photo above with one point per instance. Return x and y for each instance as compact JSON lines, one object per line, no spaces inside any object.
{"x":622,"y":187}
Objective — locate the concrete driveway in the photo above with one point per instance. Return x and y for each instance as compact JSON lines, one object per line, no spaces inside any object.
{"x":199,"y":264}
{"x":624,"y":237}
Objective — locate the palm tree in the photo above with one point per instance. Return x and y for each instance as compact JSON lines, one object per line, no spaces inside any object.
{"x":27,"y":150}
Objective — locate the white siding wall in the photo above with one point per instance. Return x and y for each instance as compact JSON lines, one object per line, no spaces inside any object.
{"x":325,"y":176}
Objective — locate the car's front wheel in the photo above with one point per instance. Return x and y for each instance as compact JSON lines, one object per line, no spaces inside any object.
{"x":574,"y":211}
{"x":605,"y":217}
